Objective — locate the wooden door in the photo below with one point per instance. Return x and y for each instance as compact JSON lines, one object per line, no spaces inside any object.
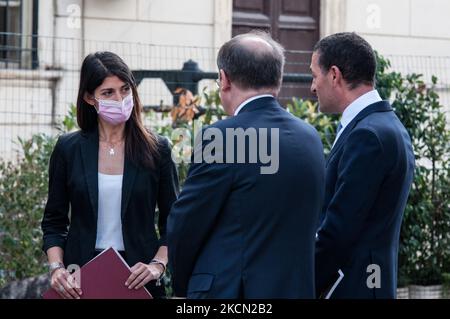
{"x":293,"y":23}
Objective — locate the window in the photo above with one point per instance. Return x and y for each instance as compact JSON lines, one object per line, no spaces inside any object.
{"x":18,"y":28}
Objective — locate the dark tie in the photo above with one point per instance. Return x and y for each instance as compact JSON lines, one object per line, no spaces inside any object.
{"x":337,"y":132}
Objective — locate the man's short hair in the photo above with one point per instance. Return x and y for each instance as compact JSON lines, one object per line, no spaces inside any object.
{"x":252,"y":68}
{"x":353,"y":56}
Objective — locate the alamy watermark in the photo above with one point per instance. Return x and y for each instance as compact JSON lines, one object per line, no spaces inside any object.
{"x":230,"y":145}
{"x":374,"y":279}
{"x":74,"y":19}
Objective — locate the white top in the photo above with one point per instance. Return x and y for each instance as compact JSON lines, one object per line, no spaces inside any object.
{"x":109,"y":222}
{"x":355,"y":107}
{"x":239,"y":108}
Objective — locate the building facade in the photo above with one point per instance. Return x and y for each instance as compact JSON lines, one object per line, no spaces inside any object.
{"x":42,"y":44}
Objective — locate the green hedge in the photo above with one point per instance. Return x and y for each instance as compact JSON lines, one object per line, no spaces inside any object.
{"x":23,"y":191}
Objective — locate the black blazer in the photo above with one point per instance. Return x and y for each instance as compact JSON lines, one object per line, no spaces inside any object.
{"x":237,"y":233}
{"x":368,"y":177}
{"x":70,"y":216}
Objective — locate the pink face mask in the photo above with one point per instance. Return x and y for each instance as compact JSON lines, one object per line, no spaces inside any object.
{"x":115,"y":112}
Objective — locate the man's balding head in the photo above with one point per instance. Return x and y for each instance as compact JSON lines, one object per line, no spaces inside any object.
{"x":252,"y":61}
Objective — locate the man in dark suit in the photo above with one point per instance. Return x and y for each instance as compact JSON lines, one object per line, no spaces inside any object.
{"x":368,"y":173}
{"x":244,"y":224}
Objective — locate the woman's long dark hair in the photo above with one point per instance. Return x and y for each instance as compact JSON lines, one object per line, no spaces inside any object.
{"x":141,"y":145}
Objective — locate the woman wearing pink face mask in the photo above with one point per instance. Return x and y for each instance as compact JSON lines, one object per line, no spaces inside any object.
{"x":110,"y":175}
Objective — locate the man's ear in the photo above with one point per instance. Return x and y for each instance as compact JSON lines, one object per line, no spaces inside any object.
{"x":89,"y":98}
{"x":336,"y":75}
{"x":225,"y":82}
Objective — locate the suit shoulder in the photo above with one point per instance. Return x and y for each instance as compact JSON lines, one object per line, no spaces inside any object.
{"x":66,"y":142}
{"x":384,"y":126}
{"x":302,"y":123}
{"x":162,"y":140}
{"x":366,"y":129}
{"x":364,"y":136}
{"x":69,"y":139}
{"x":164,"y":144}
{"x":303,"y":126}
{"x":231,"y":121}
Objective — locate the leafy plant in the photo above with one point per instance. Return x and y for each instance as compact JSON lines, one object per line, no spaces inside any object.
{"x":187,"y":119}
{"x":23,"y":192}
{"x":69,"y":123}
{"x":387,"y":81}
{"x":425,"y":236}
{"x":324,"y":124}
{"x":213,"y":105}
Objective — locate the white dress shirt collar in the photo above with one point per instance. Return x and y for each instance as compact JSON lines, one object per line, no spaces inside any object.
{"x":239,"y":108}
{"x":356,"y":107}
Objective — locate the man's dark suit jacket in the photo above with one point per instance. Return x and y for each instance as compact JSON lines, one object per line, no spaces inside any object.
{"x":73,"y":183}
{"x":368,"y":177}
{"x":237,"y":233}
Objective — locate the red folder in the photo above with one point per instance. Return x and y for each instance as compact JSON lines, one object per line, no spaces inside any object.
{"x":104,"y":277}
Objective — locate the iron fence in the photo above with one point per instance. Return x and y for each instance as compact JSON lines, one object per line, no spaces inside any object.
{"x":35,"y":96}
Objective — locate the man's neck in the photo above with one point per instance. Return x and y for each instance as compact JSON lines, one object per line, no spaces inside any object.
{"x":351,"y":95}
{"x":243,"y":96}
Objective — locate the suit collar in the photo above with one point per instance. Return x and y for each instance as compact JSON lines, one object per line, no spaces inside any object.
{"x":89,"y":153}
{"x":259,"y":103}
{"x":382,"y":106}
{"x":238,"y":109}
{"x":129,"y":173}
{"x":358,"y":105}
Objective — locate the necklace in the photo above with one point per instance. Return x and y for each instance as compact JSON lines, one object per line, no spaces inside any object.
{"x":111,"y":147}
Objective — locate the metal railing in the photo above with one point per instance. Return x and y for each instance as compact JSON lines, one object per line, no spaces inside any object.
{"x":189,"y":76}
{"x":33,"y":100}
